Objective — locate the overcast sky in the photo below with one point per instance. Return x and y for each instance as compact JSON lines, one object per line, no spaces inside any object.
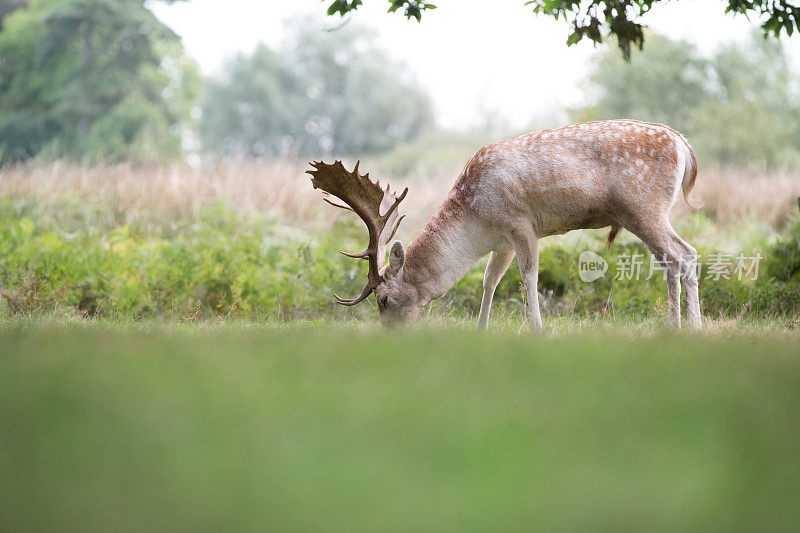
{"x":473,"y":60}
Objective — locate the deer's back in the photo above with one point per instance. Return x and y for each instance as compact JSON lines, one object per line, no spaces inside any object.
{"x":579,"y":176}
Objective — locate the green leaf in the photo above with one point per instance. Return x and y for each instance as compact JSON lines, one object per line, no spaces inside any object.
{"x":574,"y":38}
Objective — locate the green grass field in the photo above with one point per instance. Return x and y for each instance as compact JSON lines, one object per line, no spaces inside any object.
{"x":334,"y":427}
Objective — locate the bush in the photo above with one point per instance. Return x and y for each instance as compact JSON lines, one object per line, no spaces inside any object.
{"x":783,"y":259}
{"x":79,"y":260}
{"x":222,"y":265}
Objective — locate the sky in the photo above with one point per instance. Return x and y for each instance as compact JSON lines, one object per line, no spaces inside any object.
{"x":475,"y":62}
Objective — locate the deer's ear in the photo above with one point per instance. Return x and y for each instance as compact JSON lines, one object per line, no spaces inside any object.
{"x":397,"y":257}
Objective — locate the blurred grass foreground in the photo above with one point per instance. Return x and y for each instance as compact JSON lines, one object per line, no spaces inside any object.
{"x":319,"y":429}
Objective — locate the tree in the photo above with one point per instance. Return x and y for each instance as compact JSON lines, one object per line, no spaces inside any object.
{"x":614,"y":18}
{"x":254,"y":108}
{"x":9,"y":6}
{"x":91,"y":78}
{"x":740,"y":106}
{"x":321,"y":92}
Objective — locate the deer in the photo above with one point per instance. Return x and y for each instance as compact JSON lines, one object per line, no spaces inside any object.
{"x":514,"y":192}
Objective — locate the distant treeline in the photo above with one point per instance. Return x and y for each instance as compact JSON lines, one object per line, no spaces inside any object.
{"x":105,"y":80}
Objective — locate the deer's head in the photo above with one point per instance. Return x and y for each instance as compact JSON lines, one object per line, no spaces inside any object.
{"x":377,"y":207}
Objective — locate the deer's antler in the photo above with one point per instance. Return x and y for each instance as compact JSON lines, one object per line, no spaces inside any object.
{"x":376,"y":206}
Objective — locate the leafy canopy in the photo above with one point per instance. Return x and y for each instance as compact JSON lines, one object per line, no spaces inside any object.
{"x":411,"y":8}
{"x":620,"y":19}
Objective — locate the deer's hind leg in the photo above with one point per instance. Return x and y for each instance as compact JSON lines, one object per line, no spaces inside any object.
{"x":658,"y":236}
{"x":688,"y":273}
{"x":497,"y":266}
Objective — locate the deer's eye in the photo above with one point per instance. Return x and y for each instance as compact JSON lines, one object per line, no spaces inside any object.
{"x":382,"y":301}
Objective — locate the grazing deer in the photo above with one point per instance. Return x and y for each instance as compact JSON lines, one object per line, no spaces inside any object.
{"x":618,"y":173}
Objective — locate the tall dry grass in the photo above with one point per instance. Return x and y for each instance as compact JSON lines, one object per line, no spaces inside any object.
{"x":178,"y":192}
{"x":168,"y":192}
{"x":730,"y":194}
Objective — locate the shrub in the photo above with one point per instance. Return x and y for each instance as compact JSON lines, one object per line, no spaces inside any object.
{"x":221,"y":265}
{"x":80,"y":260}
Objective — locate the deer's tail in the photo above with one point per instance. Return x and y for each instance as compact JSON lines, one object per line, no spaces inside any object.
{"x":612,"y":235}
{"x":689,"y":172}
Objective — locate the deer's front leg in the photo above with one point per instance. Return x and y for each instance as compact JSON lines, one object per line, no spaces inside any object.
{"x":526,"y":246}
{"x":497,"y":266}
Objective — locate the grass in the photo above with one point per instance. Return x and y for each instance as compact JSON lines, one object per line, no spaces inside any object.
{"x":330,"y":426}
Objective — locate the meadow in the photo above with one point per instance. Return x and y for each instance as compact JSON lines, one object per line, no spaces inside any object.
{"x":171,"y":359}
{"x":252,"y":427}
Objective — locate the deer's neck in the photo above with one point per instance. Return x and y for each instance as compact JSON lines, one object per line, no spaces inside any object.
{"x":449,"y":245}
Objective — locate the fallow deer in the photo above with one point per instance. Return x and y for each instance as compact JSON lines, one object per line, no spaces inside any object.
{"x":618,"y":173}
